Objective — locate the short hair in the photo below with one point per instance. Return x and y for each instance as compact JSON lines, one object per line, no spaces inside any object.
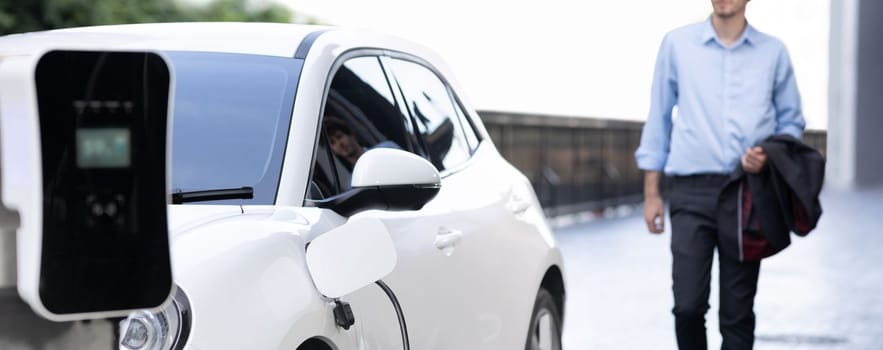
{"x":331,"y":124}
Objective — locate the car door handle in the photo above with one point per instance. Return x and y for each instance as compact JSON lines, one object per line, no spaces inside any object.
{"x":447,"y":239}
{"x":518,"y":206}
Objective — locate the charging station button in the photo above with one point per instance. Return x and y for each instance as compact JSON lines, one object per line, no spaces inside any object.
{"x":105,"y":212}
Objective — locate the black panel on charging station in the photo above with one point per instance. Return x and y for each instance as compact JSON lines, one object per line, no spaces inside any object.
{"x":103,"y":120}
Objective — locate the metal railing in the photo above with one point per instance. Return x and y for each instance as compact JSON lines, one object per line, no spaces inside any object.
{"x":578,"y":164}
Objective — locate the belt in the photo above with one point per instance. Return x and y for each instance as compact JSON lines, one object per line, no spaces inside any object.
{"x":701,"y":178}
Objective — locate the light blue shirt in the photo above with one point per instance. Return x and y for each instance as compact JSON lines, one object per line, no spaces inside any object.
{"x":727,"y":98}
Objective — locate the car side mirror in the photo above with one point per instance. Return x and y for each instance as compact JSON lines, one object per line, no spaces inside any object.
{"x":387,"y":179}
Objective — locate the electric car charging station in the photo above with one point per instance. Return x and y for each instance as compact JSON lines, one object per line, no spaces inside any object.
{"x":84,"y":147}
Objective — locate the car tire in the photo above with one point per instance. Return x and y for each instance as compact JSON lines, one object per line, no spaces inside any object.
{"x":545,"y":324}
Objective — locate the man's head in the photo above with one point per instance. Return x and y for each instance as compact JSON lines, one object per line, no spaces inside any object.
{"x":341,"y":138}
{"x":728,"y":8}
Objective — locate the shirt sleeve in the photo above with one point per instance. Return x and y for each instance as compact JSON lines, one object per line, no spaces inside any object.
{"x":655,"y":137}
{"x":786,"y":99}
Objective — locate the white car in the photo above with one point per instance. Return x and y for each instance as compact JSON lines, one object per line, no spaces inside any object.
{"x":286,"y":134}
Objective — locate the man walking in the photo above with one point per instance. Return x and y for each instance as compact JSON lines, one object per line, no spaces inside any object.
{"x":734,"y":86}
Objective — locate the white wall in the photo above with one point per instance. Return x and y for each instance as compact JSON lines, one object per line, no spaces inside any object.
{"x":854,"y":141}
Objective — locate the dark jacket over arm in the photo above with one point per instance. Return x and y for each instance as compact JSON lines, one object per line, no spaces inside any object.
{"x":760,"y":210}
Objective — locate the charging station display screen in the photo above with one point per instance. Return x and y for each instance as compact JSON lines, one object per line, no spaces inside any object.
{"x":103,"y":148}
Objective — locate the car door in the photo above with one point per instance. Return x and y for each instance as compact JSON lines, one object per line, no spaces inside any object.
{"x":498,"y":249}
{"x":360,"y":113}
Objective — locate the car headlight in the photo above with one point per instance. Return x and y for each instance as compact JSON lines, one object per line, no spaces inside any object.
{"x":167,"y":329}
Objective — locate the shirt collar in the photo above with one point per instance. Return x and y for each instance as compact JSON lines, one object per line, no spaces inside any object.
{"x":708,"y":34}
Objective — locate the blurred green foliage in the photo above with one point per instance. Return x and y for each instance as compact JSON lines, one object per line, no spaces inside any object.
{"x":30,"y":15}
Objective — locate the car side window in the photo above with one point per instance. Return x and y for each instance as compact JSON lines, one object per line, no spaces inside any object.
{"x":360,"y":114}
{"x":434,"y":114}
{"x":468,"y":129}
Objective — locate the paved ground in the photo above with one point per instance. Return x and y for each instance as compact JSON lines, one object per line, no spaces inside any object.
{"x":823,"y":292}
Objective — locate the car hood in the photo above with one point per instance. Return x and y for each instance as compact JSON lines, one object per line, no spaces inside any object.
{"x":184,"y":218}
{"x":307,"y":222}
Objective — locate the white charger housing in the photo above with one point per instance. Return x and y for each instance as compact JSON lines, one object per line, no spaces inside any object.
{"x":84,"y":146}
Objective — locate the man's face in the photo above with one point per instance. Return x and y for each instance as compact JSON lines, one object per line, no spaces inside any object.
{"x":728,"y":8}
{"x":343,"y":144}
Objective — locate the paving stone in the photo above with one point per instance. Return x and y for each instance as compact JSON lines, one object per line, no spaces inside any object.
{"x":823,"y":292}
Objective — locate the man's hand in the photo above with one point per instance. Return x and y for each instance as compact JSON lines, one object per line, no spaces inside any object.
{"x":653,"y":206}
{"x":654,"y":215}
{"x":754,"y":160}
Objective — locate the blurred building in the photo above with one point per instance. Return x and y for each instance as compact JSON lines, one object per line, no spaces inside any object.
{"x":855,"y":118}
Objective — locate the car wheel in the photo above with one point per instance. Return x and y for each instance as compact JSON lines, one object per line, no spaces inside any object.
{"x":545,"y":324}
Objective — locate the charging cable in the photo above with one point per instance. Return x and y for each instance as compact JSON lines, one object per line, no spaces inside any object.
{"x":395,"y":303}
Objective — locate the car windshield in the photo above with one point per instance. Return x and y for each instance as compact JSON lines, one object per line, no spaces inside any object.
{"x":230,"y":122}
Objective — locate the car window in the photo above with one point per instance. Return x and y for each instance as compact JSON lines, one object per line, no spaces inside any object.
{"x":468,"y":129}
{"x":231,"y":119}
{"x":360,"y":114}
{"x":433,"y":112}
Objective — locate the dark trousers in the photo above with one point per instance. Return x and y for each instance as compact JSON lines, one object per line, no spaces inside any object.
{"x":694,"y":210}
